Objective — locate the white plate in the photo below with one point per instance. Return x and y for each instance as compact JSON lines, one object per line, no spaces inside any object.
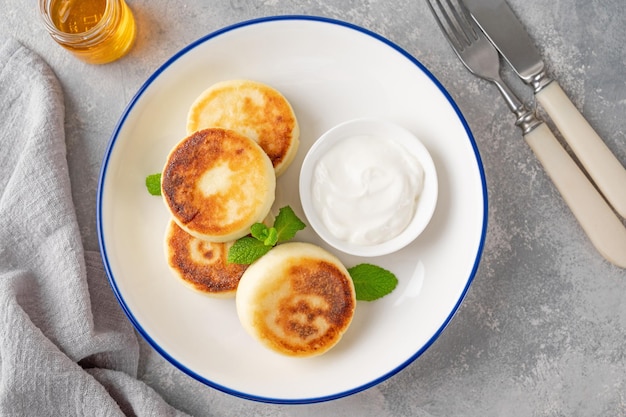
{"x":330,"y":71}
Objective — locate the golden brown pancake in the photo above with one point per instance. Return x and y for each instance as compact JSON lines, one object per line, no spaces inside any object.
{"x":200,"y":264}
{"x":252,"y":109}
{"x":217,"y":183}
{"x":297,"y":300}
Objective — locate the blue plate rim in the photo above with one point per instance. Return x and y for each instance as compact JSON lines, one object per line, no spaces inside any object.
{"x":102,"y":178}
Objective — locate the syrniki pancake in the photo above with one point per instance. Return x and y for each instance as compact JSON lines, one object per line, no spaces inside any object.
{"x":200,"y":264}
{"x":297,"y":300}
{"x":217,"y":183}
{"x":252,"y":109}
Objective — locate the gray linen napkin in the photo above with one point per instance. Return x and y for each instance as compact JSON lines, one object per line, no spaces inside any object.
{"x":66,"y":348}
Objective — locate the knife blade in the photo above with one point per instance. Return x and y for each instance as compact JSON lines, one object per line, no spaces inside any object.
{"x":509,"y":36}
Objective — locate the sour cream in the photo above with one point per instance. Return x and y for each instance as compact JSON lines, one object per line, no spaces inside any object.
{"x":365,"y":189}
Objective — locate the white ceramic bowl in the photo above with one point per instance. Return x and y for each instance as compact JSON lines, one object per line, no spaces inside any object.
{"x":377,"y":128}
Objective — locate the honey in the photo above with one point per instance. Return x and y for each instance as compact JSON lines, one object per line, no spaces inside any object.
{"x":96,"y":31}
{"x":77,"y":16}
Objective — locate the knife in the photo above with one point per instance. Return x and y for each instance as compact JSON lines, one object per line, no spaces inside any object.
{"x":507,"y":33}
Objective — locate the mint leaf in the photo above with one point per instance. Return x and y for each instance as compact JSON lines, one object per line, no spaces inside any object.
{"x":267,"y":235}
{"x":372,"y":282}
{"x":153,"y":184}
{"x":247,"y":250}
{"x":259,"y":231}
{"x":272,"y":237}
{"x":287,"y":224}
{"x":250,"y":248}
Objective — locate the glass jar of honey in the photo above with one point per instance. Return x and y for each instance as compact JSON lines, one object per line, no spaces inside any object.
{"x":96,"y":31}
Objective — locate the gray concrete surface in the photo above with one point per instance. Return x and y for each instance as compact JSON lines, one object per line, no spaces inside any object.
{"x":542,"y":330}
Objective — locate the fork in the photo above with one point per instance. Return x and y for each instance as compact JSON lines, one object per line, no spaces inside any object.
{"x":604,"y":229}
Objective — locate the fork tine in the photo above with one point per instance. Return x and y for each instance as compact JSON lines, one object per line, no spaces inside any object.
{"x":472,"y":47}
{"x":457,"y":25}
{"x":448,"y":28}
{"x":464,"y":20}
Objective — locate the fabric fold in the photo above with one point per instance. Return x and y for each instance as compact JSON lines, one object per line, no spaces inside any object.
{"x":66,"y":347}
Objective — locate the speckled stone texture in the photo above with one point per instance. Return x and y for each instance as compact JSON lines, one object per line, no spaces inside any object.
{"x":542,"y":331}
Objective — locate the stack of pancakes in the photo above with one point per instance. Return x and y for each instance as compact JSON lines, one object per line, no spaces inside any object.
{"x":298,"y":299}
{"x":221,"y":178}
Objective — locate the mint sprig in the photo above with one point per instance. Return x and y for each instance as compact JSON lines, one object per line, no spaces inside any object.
{"x":372,"y":282}
{"x":153,"y":184}
{"x":267,"y":235}
{"x":247,"y":250}
{"x":287,"y":224}
{"x":263,"y":238}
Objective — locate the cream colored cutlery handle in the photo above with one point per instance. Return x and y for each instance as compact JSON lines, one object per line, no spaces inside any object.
{"x":604,"y":228}
{"x":597,"y":159}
